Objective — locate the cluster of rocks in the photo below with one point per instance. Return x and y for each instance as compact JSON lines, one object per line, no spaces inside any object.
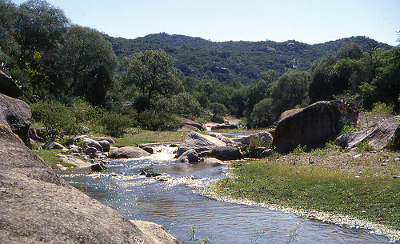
{"x":312,"y":126}
{"x":85,"y":147}
{"x":38,"y":206}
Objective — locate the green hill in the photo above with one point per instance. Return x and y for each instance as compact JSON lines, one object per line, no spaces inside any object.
{"x":240,"y":61}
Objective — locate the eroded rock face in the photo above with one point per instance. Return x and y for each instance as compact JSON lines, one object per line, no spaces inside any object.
{"x":17,"y":115}
{"x":39,"y":206}
{"x":264,"y":137}
{"x":8,"y":86}
{"x":309,"y":126}
{"x":128,"y":152}
{"x":199,"y":143}
{"x":385,"y":134}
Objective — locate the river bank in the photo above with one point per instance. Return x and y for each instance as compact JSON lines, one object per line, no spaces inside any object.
{"x":354,"y":189}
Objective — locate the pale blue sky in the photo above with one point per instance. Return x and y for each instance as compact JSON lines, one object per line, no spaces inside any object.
{"x":309,"y":21}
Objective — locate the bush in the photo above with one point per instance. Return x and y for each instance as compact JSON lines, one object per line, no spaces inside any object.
{"x":157,"y":120}
{"x":56,"y":117}
{"x":116,"y":123}
{"x":382,"y":108}
{"x":364,"y":146}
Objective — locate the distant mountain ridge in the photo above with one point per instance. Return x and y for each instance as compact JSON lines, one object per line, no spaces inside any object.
{"x":241,"y":61}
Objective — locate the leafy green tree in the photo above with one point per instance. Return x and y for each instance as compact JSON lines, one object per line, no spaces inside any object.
{"x":263,"y":110}
{"x":289,"y":91}
{"x":219,"y":110}
{"x":8,"y":17}
{"x":181,"y":104}
{"x":387,"y":82}
{"x":87,"y":55}
{"x":152,"y":74}
{"x":256,"y":92}
{"x":40,"y":26}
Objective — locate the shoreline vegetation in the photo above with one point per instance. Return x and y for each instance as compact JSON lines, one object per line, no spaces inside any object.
{"x":354,"y":189}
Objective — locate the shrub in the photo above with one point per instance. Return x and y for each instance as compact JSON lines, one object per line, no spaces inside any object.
{"x":364,"y":146}
{"x":382,"y":108}
{"x":56,"y":117}
{"x":115,"y":123}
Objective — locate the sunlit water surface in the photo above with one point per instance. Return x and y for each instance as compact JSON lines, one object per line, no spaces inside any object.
{"x":175,"y":205}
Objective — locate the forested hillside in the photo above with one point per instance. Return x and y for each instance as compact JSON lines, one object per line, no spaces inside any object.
{"x":240,"y":61}
{"x":77,"y":79}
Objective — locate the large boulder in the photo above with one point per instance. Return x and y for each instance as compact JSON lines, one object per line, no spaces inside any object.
{"x":190,"y":156}
{"x":92,"y":143}
{"x":17,"y":115}
{"x":226,"y":153}
{"x":265,"y":137}
{"x":222,"y":138}
{"x":199,"y":143}
{"x":128,"y":152}
{"x":8,"y":86}
{"x":37,"y":206}
{"x":385,"y":134}
{"x":99,"y":139}
{"x":309,"y":126}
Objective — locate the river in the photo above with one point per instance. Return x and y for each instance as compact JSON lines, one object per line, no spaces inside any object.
{"x":174,"y":203}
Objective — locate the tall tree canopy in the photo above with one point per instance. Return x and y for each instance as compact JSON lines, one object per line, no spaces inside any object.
{"x":152,"y":74}
{"x":85,"y":52}
{"x":40,"y":26}
{"x":8,"y":17}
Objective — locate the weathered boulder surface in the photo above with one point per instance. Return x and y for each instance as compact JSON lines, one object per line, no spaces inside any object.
{"x":226,"y":153}
{"x":385,"y":134}
{"x":199,"y":143}
{"x":309,"y":126}
{"x":193,"y":124}
{"x":17,"y":115}
{"x":92,"y":143}
{"x":128,"y":152}
{"x":55,"y":145}
{"x":264,"y":136}
{"x":190,"y":156}
{"x":8,"y":86}
{"x":222,"y":138}
{"x":99,"y":139}
{"x":39,"y":206}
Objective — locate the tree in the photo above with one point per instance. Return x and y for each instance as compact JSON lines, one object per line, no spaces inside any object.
{"x":86,"y":53}
{"x":256,"y":92}
{"x":289,"y":91}
{"x":387,"y":82}
{"x":8,"y":17}
{"x":40,"y":26}
{"x":152,"y":74}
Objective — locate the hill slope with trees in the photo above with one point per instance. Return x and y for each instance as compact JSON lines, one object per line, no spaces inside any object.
{"x":87,"y":79}
{"x":240,"y":61}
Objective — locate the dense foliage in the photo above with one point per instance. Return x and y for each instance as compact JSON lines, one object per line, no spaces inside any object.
{"x":152,"y":81}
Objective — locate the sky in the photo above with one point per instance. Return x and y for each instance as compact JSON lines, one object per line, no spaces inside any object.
{"x":308,"y":21}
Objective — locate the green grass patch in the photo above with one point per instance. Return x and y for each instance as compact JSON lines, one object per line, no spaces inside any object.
{"x":372,"y":198}
{"x":135,"y":137}
{"x":49,"y":156}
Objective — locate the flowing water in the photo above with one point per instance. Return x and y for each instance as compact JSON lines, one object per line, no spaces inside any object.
{"x":172,"y":201}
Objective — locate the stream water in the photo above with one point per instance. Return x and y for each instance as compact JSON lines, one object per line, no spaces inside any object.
{"x":174,"y":203}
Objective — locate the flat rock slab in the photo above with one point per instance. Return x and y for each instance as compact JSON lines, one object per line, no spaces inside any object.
{"x":128,"y":152}
{"x":385,"y":134}
{"x":199,"y":143}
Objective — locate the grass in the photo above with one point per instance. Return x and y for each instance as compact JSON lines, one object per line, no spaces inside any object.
{"x":373,"y":197}
{"x":49,"y":156}
{"x":135,"y":137}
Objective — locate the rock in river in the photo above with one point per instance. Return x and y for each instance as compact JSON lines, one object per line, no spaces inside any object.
{"x":128,"y":152}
